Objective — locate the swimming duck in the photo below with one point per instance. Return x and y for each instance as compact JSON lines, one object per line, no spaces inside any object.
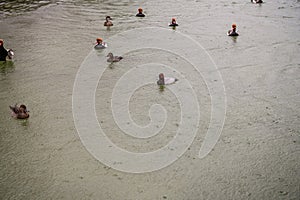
{"x":162,"y":80}
{"x":113,"y":58}
{"x":173,"y":22}
{"x":256,"y":1}
{"x":19,"y":112}
{"x":233,"y":31}
{"x":100,"y":44}
{"x":107,"y":22}
{"x":140,"y":13}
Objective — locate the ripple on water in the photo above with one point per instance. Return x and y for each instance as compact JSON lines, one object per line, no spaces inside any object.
{"x":16,"y":7}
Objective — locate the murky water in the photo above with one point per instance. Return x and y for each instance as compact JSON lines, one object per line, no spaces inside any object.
{"x":257,"y":155}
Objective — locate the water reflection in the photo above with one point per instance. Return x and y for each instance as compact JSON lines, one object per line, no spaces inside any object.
{"x":161,"y":88}
{"x":25,"y":122}
{"x":6,"y":67}
{"x":234,"y":38}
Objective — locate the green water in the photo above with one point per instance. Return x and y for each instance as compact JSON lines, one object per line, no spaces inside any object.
{"x":257,"y":155}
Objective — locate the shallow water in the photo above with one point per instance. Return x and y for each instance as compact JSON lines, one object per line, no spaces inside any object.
{"x":257,"y":155}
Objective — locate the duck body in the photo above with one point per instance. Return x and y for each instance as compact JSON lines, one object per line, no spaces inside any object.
{"x":3,"y":53}
{"x":173,"y":24}
{"x":167,"y":81}
{"x":140,"y":15}
{"x":101,"y":45}
{"x":19,"y":112}
{"x":232,"y":33}
{"x":113,"y":58}
{"x":256,"y":1}
{"x":109,"y":23}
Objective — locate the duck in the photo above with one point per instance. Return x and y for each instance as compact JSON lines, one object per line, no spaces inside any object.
{"x":100,"y":44}
{"x":162,"y":80}
{"x":140,"y":13}
{"x":107,"y":22}
{"x":173,"y":22}
{"x":19,"y":112}
{"x":256,"y":1}
{"x":113,"y":58}
{"x":233,"y":31}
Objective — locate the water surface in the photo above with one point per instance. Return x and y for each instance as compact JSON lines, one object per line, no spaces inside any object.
{"x":257,"y":156}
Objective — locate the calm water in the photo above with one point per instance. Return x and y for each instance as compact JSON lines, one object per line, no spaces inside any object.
{"x":257,"y":156}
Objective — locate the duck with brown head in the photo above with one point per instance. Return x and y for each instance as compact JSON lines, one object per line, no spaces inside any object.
{"x":100,"y":44}
{"x":162,"y":80}
{"x":173,"y":22}
{"x":233,"y":31}
{"x":140,"y":13}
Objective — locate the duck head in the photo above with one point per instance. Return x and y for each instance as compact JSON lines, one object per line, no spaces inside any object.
{"x":23,"y":108}
{"x":110,"y":55}
{"x":99,"y":40}
{"x":140,"y":10}
{"x":108,"y":18}
{"x":233,"y":27}
{"x":161,"y":79}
